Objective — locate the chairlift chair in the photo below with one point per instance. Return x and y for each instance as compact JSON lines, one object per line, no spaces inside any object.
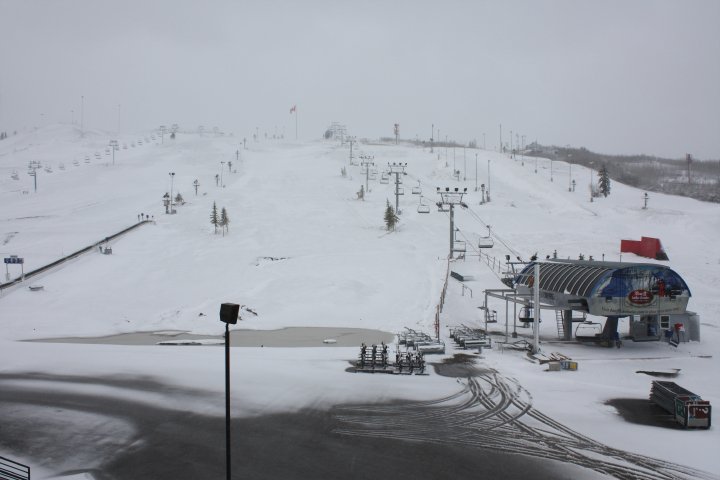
{"x":417,"y":190}
{"x":384,"y":178}
{"x":486,"y":242}
{"x":526,"y":315}
{"x":423,"y":208}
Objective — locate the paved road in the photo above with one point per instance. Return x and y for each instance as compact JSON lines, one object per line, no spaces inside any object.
{"x":130,"y":428}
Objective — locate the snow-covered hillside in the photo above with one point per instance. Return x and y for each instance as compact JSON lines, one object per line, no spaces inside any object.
{"x":302,"y":250}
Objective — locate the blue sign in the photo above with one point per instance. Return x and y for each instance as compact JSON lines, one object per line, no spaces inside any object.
{"x":14,"y":260}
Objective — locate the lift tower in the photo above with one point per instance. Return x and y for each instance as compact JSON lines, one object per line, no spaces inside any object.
{"x":451,"y":198}
{"x":397,"y":169}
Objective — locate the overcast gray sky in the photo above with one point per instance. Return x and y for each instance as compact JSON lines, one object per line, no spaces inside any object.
{"x":613,"y":76}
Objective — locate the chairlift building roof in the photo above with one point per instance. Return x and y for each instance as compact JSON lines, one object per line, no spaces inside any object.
{"x":608,"y":288}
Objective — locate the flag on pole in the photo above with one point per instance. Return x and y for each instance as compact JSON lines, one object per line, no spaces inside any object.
{"x":294,"y":107}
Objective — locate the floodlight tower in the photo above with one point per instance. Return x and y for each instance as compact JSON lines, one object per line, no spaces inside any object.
{"x":397,"y":169}
{"x":366,"y":161}
{"x":114,"y":146}
{"x":451,"y":198}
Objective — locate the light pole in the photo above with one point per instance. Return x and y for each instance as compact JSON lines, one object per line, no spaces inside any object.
{"x":551,"y":170}
{"x":476,"y":172}
{"x":229,"y":315}
{"x":196,"y":184}
{"x":591,"y":184}
{"x":114,"y":146}
{"x":645,"y":198}
{"x":172,"y":179}
{"x":222,"y":165}
{"x":488,"y":183}
{"x":162,"y":134}
{"x":569,"y":176}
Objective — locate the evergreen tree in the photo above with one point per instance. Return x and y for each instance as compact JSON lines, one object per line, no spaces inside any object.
{"x":224,"y":220}
{"x":179,"y":199}
{"x":604,"y":181}
{"x":390,"y":218}
{"x":172,"y":136}
{"x":214,"y":218}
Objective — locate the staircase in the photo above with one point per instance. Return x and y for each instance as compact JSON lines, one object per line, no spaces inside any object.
{"x":560,"y":325}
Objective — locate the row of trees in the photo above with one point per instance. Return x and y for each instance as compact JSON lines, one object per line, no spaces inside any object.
{"x":3,"y":135}
{"x":220,"y":219}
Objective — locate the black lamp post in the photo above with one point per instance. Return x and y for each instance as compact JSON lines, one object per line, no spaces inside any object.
{"x":229,"y":315}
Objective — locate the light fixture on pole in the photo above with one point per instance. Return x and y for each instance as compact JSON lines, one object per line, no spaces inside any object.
{"x":476,"y":155}
{"x":114,"y":146}
{"x":172,"y":178}
{"x":229,"y":315}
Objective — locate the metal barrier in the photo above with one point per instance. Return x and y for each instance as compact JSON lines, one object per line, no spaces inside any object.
{"x":12,"y":470}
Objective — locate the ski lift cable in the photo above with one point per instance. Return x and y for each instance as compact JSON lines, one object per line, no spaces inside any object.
{"x":493,"y":234}
{"x":478,"y":251}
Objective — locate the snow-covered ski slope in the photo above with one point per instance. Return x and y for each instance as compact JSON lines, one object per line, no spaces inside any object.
{"x":302,"y":250}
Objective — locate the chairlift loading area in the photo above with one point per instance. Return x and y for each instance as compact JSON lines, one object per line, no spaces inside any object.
{"x":654,"y":297}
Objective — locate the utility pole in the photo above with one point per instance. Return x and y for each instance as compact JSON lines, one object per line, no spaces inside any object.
{"x":172,"y":179}
{"x":222,"y":167}
{"x":114,"y":146}
{"x":451,"y":198}
{"x":397,"y":169}
{"x":366,"y":161}
{"x":432,"y":135}
{"x":476,"y":155}
{"x":501,"y":149}
{"x":488,"y":182}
